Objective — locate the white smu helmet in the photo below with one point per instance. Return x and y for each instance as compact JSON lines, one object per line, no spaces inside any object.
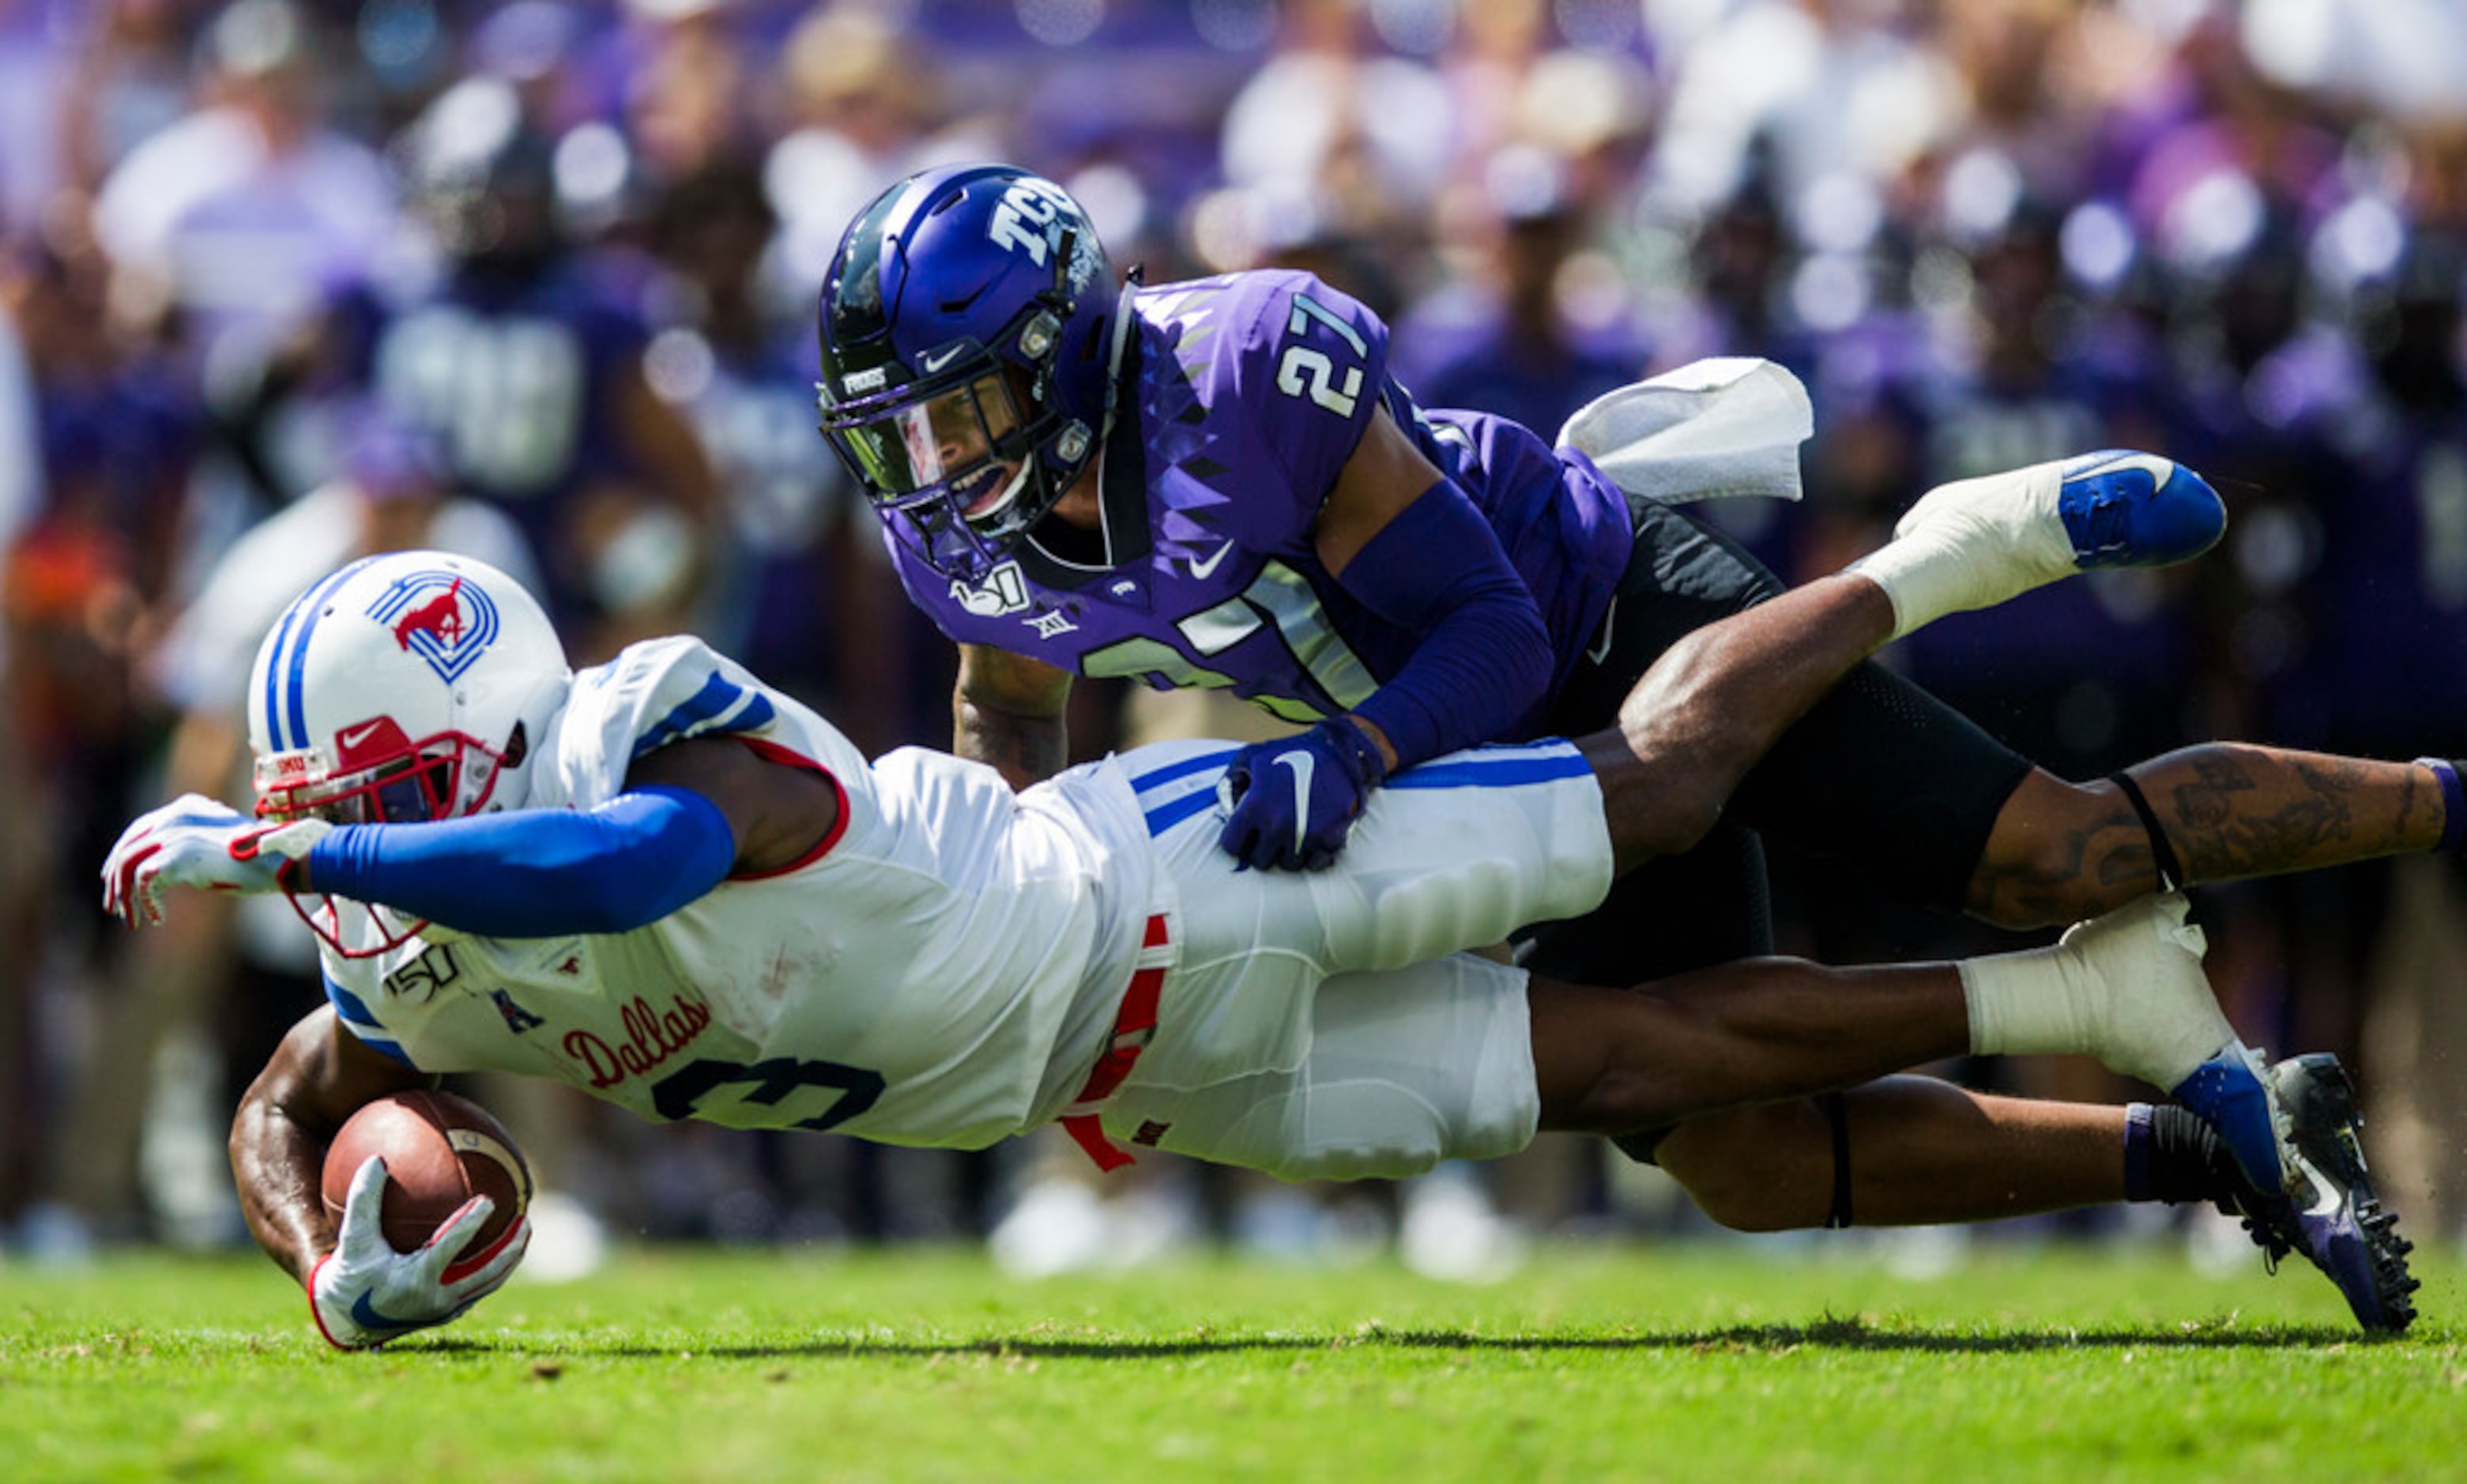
{"x":404,"y":687}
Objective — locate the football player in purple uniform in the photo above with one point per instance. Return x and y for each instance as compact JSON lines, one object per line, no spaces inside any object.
{"x":1218,"y":483}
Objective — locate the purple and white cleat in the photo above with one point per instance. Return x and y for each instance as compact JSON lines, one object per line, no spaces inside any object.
{"x":2327,"y":1209}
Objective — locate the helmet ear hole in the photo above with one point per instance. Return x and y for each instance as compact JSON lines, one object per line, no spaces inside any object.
{"x":518,"y":746}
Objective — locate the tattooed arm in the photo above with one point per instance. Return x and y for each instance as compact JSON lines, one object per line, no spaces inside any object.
{"x":2061,"y":852}
{"x":2233,"y":811}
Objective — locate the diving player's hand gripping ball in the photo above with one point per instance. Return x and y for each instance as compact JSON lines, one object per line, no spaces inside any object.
{"x":428,"y":1196}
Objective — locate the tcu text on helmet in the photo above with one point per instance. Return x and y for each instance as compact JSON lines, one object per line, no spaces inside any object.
{"x":1028,"y":208}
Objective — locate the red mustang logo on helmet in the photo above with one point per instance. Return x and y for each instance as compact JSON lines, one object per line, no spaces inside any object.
{"x":436,"y":615}
{"x":440,"y":617}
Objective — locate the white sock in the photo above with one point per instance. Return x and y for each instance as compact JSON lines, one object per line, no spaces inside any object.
{"x":2126,"y":988}
{"x":1925,"y":579}
{"x":1971,"y":544}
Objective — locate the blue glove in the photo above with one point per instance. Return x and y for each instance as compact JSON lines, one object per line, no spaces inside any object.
{"x":1291,"y":803}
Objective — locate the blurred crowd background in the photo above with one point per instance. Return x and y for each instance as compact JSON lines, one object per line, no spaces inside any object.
{"x":282,"y":281}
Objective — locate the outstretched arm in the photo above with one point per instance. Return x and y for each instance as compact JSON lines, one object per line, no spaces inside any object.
{"x":533,"y":872}
{"x":693,"y":814}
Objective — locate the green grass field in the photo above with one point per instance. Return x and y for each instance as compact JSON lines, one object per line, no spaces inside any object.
{"x":1677,"y":1363}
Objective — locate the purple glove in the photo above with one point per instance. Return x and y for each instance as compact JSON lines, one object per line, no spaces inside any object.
{"x":1293,"y":801}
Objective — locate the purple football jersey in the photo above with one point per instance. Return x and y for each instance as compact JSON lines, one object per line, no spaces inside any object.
{"x":1242,"y":396}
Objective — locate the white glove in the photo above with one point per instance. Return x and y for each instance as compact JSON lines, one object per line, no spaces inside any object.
{"x":364,"y":1293}
{"x":203,"y":843}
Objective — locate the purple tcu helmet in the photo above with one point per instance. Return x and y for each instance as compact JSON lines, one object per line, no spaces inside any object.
{"x":965,"y":347}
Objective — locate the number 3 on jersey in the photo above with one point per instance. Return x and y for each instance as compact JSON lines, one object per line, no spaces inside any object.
{"x":782,"y":1085}
{"x":1305,"y":371}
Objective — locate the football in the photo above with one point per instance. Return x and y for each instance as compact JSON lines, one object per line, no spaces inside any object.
{"x":439,"y":1151}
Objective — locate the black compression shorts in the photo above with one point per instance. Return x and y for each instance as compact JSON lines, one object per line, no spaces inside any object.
{"x":1879,"y":773}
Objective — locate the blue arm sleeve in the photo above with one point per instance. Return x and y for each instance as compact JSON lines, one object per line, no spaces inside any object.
{"x":538,"y":872}
{"x":1437,"y":568}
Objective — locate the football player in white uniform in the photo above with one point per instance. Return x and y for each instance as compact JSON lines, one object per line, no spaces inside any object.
{"x":665,"y":883}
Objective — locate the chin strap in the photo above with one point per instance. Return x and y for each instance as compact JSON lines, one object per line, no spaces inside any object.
{"x":1060,"y":304}
{"x":1132,"y":283}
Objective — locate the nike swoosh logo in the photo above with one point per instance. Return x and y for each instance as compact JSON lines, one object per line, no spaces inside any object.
{"x":347,"y":741}
{"x":1302,"y":764}
{"x":1201,"y":569}
{"x":364,"y":1313}
{"x":1601,"y":651}
{"x":930,"y":364}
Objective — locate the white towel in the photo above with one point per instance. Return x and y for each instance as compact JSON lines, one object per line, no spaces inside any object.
{"x":1727,"y":425}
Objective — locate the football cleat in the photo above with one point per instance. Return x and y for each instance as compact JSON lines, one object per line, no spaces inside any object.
{"x":1978,"y":542}
{"x":2122,"y":508}
{"x":2328,"y":1209}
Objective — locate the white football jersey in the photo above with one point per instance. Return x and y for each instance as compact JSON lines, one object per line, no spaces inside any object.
{"x":908,"y":983}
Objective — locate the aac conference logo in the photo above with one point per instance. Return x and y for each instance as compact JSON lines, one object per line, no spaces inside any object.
{"x":436,"y":615}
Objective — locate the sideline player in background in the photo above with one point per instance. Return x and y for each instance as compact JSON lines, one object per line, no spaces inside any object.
{"x":524,"y":358}
{"x":520,"y":868}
